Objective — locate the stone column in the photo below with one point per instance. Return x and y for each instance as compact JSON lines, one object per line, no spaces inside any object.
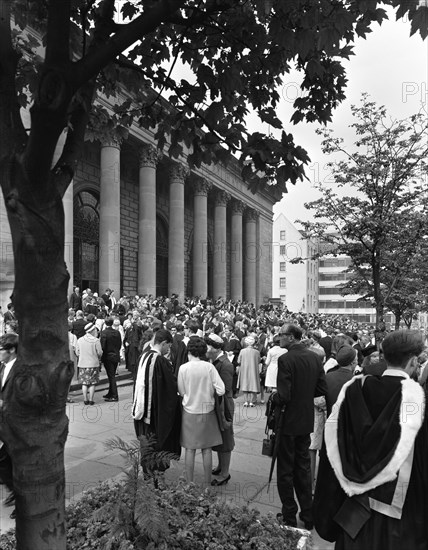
{"x":177,"y":176}
{"x":220,"y":248}
{"x":149,"y":157}
{"x":236,"y":249}
{"x":250,"y":256}
{"x":109,"y":262}
{"x":200,"y":238}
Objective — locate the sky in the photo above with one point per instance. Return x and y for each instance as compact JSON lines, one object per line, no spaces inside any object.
{"x":392,"y":68}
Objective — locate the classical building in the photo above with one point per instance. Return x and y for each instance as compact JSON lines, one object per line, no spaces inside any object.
{"x":296,"y":284}
{"x":140,"y":223}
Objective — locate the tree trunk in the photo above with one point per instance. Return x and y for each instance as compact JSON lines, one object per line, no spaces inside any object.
{"x":34,"y":424}
{"x":397,"y":315}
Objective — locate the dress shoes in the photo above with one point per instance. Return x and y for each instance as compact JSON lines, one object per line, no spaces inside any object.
{"x":111,"y":399}
{"x":86,"y":402}
{"x":106,"y":396}
{"x":217,"y":483}
{"x":91,"y":402}
{"x":216,"y":471}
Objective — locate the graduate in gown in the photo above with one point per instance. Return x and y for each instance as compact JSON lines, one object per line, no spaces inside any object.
{"x":156,"y":405}
{"x":372,"y":488}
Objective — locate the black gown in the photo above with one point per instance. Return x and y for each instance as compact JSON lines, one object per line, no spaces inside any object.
{"x":371,"y":429}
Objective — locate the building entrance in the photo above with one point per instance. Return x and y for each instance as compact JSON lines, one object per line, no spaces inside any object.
{"x":86,"y":238}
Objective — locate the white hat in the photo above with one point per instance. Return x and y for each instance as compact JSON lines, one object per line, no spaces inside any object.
{"x":90,"y":327}
{"x":215,"y":338}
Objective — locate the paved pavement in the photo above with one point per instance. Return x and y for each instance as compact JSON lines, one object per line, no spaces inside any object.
{"x":87,"y":462}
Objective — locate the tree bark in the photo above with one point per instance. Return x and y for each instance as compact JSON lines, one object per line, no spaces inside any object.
{"x":34,"y":424}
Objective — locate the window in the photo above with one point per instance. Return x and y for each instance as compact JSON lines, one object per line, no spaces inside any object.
{"x":282,"y":250}
{"x":282,"y":282}
{"x":329,"y":290}
{"x":335,"y":276}
{"x":282,"y":266}
{"x":335,"y":262}
{"x":282,"y":235}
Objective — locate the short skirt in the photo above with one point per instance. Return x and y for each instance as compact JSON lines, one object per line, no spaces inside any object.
{"x":89,"y":377}
{"x":199,"y":431}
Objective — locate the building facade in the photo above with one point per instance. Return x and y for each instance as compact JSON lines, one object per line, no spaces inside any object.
{"x":295,"y":284}
{"x":140,"y":223}
{"x":332,"y":275}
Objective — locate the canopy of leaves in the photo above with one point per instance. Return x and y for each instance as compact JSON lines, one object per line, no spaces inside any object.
{"x":236,"y":53}
{"x":378,"y":216}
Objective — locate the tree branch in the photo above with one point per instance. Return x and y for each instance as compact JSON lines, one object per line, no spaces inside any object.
{"x":90,"y":65}
{"x":58,"y":33}
{"x":13,"y":137}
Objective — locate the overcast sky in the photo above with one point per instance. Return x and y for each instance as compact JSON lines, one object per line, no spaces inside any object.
{"x":393,"y":68}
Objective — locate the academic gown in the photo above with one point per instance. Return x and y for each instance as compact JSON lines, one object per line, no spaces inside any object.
{"x":165,"y":418}
{"x":369,"y":437}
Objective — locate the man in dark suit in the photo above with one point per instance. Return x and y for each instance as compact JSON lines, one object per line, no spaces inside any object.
{"x":75,"y":301}
{"x":107,"y":299}
{"x":111,"y":342}
{"x":78,"y":328}
{"x":300,"y":378}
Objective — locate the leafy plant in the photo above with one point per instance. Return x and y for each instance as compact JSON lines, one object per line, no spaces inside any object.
{"x":139,"y":513}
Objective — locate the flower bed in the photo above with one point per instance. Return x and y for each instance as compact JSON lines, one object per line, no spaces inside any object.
{"x":171,"y":517}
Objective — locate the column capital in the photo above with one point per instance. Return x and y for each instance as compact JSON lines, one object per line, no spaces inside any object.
{"x":238,"y":207}
{"x":221,"y":198}
{"x":201,"y":186}
{"x":110,"y":140}
{"x":149,"y":156}
{"x":251,"y":214}
{"x":178,"y":173}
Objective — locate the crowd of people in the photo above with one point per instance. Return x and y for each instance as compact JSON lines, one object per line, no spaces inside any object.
{"x":355,"y":407}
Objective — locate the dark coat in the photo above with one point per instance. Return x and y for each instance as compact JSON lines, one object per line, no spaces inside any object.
{"x":79,"y":328}
{"x":111,"y":342}
{"x":301,"y":377}
{"x":225,"y":369}
{"x":75,"y":301}
{"x":335,"y":380}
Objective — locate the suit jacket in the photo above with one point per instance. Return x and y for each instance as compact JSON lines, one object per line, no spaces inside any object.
{"x":111,"y":342}
{"x":75,"y":301}
{"x":301,"y":377}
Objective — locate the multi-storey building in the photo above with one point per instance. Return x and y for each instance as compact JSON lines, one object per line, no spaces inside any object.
{"x":332,"y":275}
{"x":296,"y":284}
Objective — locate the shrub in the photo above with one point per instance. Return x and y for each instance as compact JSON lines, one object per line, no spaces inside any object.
{"x":143,"y":512}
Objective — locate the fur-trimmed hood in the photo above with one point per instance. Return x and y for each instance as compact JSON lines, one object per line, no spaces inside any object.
{"x":367,"y":445}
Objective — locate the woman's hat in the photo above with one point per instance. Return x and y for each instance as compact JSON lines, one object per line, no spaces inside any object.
{"x":89,"y":327}
{"x":250,"y":341}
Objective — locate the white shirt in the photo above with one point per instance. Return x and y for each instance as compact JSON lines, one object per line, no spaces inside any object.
{"x":7,"y":370}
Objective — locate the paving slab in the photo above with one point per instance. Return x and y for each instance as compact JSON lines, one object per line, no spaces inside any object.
{"x":87,"y":461}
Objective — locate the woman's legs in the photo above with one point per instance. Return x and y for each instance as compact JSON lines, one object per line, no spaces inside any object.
{"x":91,"y":393}
{"x":207,"y":461}
{"x":85,"y":392}
{"x":189,"y":464}
{"x":224,"y":461}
